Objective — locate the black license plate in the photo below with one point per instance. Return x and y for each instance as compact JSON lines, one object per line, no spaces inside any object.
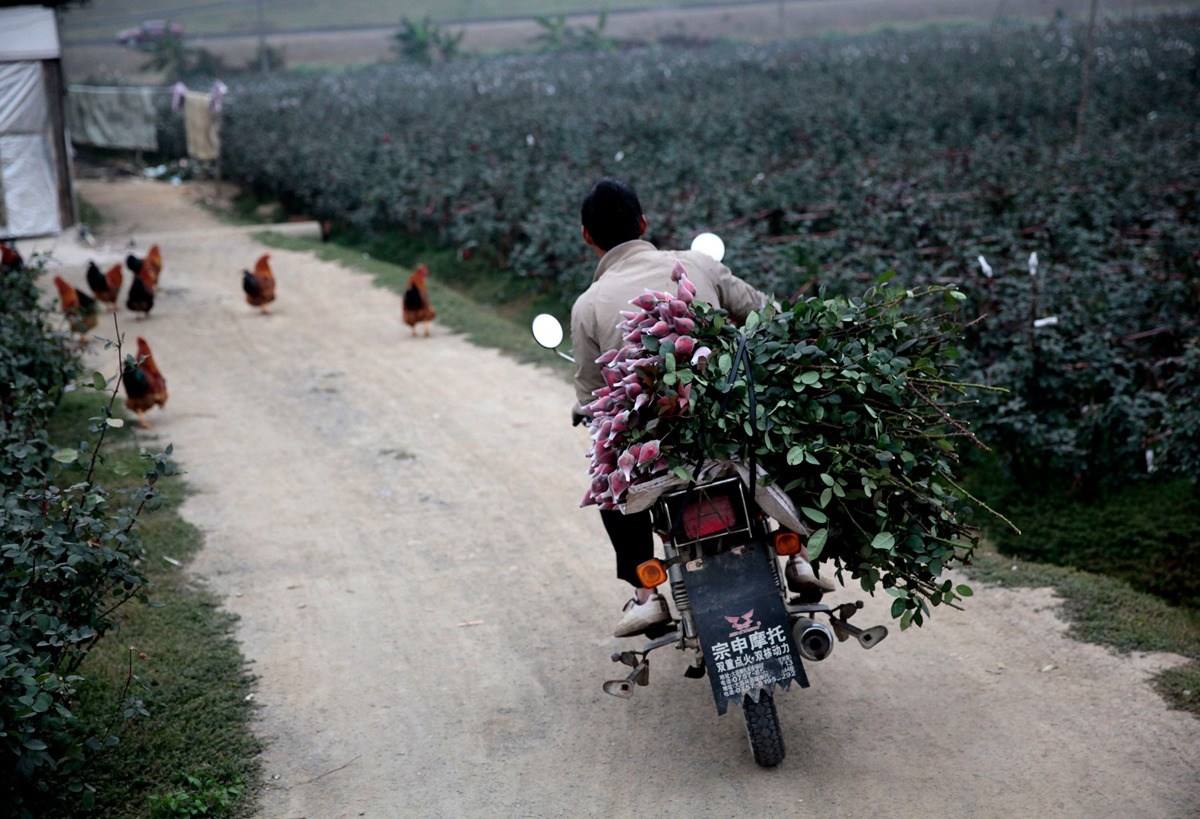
{"x":743,"y":625}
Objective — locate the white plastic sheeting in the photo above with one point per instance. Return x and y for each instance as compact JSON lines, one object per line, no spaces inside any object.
{"x":23,"y":108}
{"x":28,"y":33}
{"x":28,"y":175}
{"x":113,"y":117}
{"x":30,"y":187}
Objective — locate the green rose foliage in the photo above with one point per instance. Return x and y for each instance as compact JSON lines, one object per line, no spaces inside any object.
{"x":853,"y":400}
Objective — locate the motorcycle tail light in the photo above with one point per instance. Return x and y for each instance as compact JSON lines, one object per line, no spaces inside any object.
{"x":786,"y":543}
{"x":652,"y":573}
{"x":709,"y":515}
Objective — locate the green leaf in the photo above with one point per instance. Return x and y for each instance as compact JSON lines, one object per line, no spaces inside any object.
{"x":99,"y":381}
{"x":66,"y":456}
{"x":795,"y":455}
{"x":815,"y":515}
{"x":816,"y":543}
{"x":811,"y":377}
{"x":826,"y":496}
{"x":898,"y":607}
{"x":115,"y":422}
{"x":884,"y":541}
{"x":683,"y":473}
{"x":964,"y":591}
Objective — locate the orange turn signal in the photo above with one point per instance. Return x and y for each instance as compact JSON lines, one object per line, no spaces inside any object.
{"x":786,"y":543}
{"x":652,"y":573}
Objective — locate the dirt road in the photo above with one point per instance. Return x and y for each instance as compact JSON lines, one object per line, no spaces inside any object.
{"x":395,"y":521}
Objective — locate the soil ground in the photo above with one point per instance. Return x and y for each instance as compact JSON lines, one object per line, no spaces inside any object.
{"x":735,"y":21}
{"x":395,"y":520}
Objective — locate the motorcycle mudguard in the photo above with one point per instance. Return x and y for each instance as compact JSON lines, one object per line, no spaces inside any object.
{"x":743,"y":625}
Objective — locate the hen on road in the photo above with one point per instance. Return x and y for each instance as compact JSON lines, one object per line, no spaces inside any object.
{"x":259,"y":286}
{"x":106,"y":286}
{"x":145,"y":386}
{"x":417,"y":308}
{"x":79,"y":308}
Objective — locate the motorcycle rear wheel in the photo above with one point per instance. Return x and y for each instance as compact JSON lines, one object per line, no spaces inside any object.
{"x":762,"y":729}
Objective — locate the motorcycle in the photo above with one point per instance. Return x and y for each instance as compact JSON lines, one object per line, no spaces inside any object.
{"x":736,"y":620}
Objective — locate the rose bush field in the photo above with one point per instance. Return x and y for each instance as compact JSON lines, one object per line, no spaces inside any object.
{"x":825,"y":163}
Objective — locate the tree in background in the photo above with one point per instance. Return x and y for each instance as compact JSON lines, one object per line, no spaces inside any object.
{"x":426,"y":42}
{"x":557,"y":36}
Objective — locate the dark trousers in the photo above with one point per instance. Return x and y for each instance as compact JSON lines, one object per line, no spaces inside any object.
{"x":632,"y":538}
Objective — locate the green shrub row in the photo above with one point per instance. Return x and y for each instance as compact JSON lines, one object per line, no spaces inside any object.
{"x":69,"y":555}
{"x":824,"y":162}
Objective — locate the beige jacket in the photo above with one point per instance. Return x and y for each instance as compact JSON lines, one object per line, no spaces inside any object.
{"x":624,"y":273}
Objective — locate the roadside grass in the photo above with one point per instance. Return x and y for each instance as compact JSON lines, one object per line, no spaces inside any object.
{"x":1146,"y":533}
{"x":195,"y":753}
{"x":495,"y":312}
{"x":1110,"y":612}
{"x":89,"y":215}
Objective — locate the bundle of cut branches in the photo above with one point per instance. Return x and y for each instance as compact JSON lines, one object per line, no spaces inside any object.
{"x":848,"y":403}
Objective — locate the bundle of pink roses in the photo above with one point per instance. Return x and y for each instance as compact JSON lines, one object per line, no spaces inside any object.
{"x":636,"y":398}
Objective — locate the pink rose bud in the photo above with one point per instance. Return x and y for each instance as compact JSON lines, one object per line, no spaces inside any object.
{"x":608,"y":357}
{"x":618,"y":483}
{"x":660,"y":329}
{"x":684,"y":325}
{"x":646,"y":301}
{"x":626,"y":463}
{"x":678,"y":272}
{"x":684,"y":346}
{"x":678,"y":307}
{"x":648,"y":452}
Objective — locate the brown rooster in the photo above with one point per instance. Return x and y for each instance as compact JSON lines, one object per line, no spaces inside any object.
{"x":259,"y":285}
{"x":79,"y":308}
{"x":150,"y":264}
{"x":141,"y":294}
{"x":106,"y":286}
{"x":416,"y":301}
{"x":145,"y":386}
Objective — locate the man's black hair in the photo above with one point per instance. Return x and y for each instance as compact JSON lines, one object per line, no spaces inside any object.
{"x":611,"y":213}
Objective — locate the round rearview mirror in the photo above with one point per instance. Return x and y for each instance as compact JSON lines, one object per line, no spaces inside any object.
{"x":709,"y":244}
{"x":547,"y":331}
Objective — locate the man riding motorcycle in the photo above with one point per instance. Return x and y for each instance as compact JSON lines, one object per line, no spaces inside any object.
{"x":613,"y":224}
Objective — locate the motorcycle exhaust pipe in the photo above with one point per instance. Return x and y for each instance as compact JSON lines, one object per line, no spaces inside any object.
{"x":814,"y":640}
{"x":619,"y":688}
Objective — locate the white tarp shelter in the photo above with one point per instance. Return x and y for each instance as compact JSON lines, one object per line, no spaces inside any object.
{"x":35,"y":177}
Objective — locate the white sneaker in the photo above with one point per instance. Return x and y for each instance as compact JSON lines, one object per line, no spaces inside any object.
{"x":801,"y":577}
{"x":640,"y":616}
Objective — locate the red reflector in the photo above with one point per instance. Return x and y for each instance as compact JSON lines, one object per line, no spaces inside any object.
{"x":709,"y":516}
